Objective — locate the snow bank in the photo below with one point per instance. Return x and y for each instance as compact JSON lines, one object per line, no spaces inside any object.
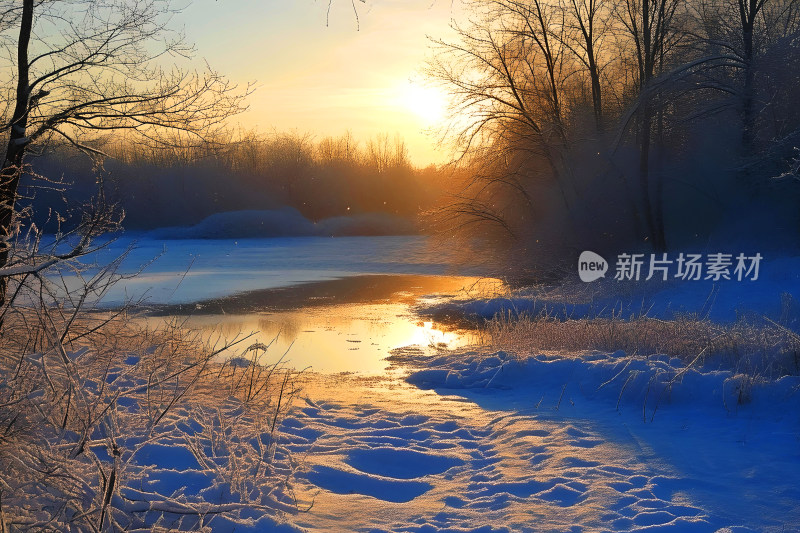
{"x":537,"y":456}
{"x":615,"y":379}
{"x":286,"y":222}
{"x":775,"y":294}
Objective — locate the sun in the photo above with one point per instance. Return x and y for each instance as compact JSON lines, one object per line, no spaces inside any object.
{"x":428,"y":104}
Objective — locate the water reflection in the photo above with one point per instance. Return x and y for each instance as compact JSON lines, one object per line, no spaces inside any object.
{"x":360,"y":289}
{"x":339,"y":338}
{"x":347,"y":325}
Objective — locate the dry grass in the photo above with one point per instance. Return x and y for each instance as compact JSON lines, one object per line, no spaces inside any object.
{"x":765,"y":349}
{"x":101,"y":419}
{"x":81,"y":397}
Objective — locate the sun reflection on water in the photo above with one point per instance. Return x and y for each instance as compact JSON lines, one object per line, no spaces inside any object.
{"x":347,"y":325}
{"x":339,"y":338}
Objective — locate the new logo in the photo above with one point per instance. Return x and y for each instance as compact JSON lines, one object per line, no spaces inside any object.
{"x":591,"y":266}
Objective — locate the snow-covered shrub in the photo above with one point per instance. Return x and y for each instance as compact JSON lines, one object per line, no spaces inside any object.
{"x":764,"y":349}
{"x":109,"y":426}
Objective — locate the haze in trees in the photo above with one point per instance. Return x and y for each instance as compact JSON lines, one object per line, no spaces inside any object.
{"x":631,"y":124}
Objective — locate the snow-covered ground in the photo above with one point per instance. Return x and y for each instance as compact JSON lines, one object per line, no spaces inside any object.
{"x":775,"y":294}
{"x":483,"y":442}
{"x":476,"y":441}
{"x":470,"y":440}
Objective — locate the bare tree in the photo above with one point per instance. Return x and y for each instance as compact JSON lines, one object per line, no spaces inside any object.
{"x":507,"y":73}
{"x":751,"y":47}
{"x":649,"y":26}
{"x":749,"y":10}
{"x":588,"y":22}
{"x":80,"y":68}
{"x":668,"y":84}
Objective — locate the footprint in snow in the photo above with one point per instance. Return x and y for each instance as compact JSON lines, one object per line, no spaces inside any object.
{"x":387,"y":489}
{"x":399,"y":463}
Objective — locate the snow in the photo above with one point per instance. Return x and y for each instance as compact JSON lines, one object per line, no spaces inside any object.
{"x":477,"y":440}
{"x":175,"y":270}
{"x":549,"y":443}
{"x":775,"y":294}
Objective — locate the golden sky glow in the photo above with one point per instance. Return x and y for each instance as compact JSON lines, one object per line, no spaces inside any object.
{"x":362,"y":75}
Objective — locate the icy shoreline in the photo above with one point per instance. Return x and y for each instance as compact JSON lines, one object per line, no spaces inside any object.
{"x":472,"y":439}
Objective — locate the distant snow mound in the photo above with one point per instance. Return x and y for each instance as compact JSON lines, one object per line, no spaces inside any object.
{"x":286,"y":222}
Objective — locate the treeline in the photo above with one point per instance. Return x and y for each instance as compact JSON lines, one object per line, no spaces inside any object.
{"x":617,"y":125}
{"x":174,"y":182}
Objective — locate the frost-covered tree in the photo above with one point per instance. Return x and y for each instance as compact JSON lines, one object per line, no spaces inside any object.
{"x":74,"y":69}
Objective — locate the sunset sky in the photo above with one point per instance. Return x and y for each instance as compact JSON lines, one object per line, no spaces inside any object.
{"x":326,"y":77}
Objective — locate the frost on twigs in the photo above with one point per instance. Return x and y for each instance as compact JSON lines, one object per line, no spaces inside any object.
{"x":108,"y":426}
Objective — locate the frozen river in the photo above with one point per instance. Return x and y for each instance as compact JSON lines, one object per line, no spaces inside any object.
{"x":182,"y":271}
{"x":331,"y":304}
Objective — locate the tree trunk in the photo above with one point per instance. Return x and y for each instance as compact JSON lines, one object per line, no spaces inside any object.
{"x":651,"y":44}
{"x":17,"y":144}
{"x":597,"y":103}
{"x":748,"y":111}
{"x":644,"y":172}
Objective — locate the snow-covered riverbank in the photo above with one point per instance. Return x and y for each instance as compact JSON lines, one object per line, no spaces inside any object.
{"x":476,"y":439}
